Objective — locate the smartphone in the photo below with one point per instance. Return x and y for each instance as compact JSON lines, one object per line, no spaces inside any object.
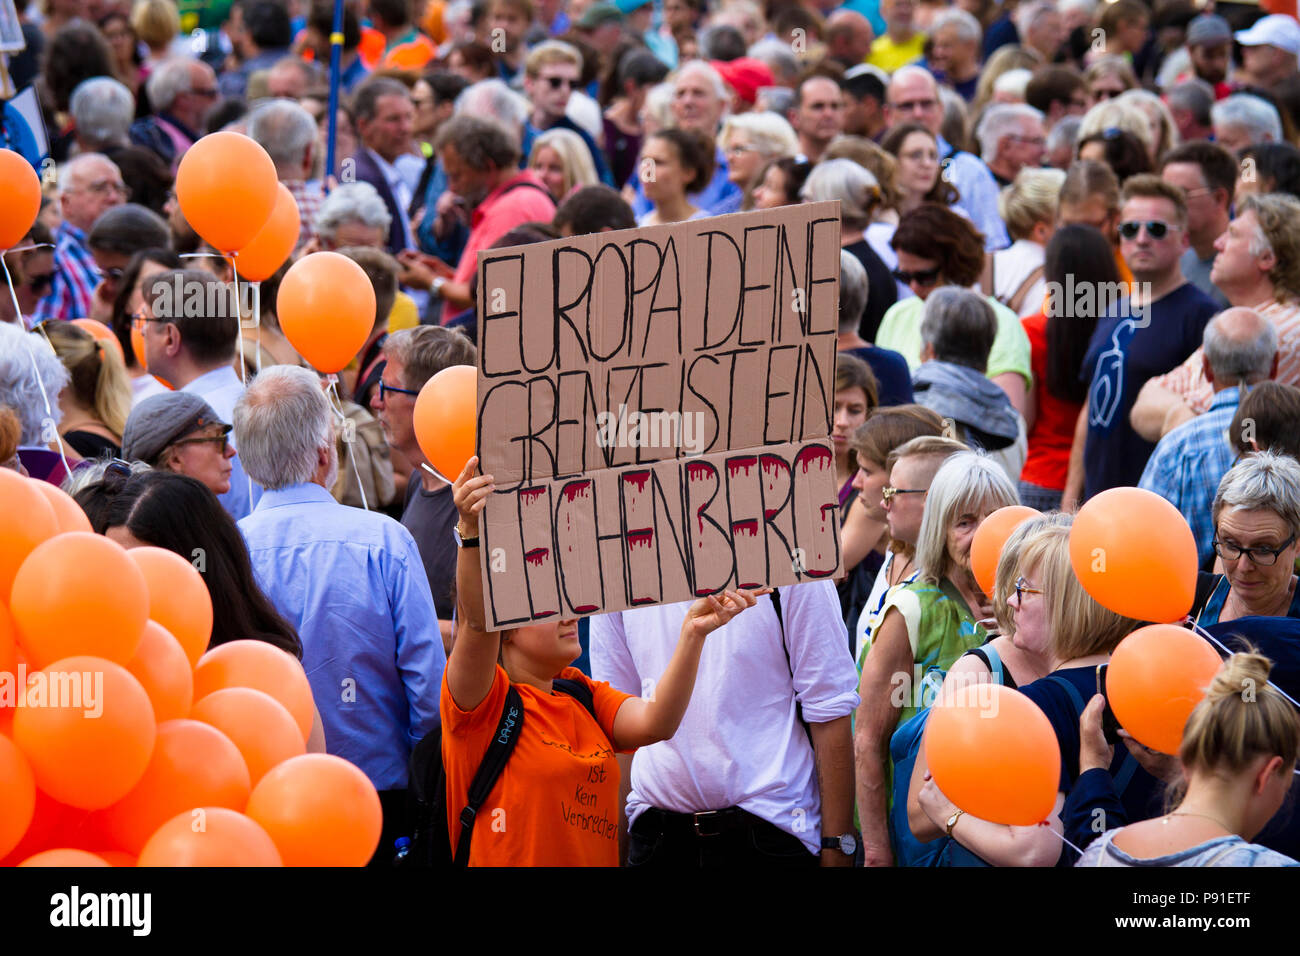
{"x":1109,"y":725}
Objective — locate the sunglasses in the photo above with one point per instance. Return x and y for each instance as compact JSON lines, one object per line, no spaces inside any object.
{"x":1155,"y":229}
{"x":385,"y":388}
{"x":887,"y":493}
{"x":223,"y":440}
{"x":558,"y":81}
{"x":925,"y":277}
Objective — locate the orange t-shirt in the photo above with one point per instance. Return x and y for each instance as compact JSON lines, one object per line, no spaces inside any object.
{"x":556,"y":802}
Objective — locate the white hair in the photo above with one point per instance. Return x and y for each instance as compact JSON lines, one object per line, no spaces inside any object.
{"x":1125,"y":115}
{"x":352,"y":202}
{"x":169,"y":79}
{"x":699,"y":66}
{"x":966,"y":480}
{"x":284,"y":129}
{"x":854,"y":290}
{"x":103,"y":110}
{"x":1014,"y":82}
{"x":1064,"y":133}
{"x":1264,"y":481}
{"x":1257,"y":117}
{"x":281,"y":422}
{"x":1154,"y":107}
{"x":1003,"y":119}
{"x":1028,"y":14}
{"x":26,"y":363}
{"x":853,"y":185}
{"x":492,"y":99}
{"x":968,"y":28}
{"x":778,"y":56}
{"x":770,"y":134}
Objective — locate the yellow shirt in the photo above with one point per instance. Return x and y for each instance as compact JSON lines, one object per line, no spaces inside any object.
{"x":404,"y":314}
{"x":889,"y":56}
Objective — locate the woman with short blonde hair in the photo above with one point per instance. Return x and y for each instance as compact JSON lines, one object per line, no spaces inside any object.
{"x":1028,"y":206}
{"x":562,"y":160}
{"x":157,"y":23}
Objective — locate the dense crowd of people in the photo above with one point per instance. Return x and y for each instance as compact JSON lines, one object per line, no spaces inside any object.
{"x":1070,"y":262}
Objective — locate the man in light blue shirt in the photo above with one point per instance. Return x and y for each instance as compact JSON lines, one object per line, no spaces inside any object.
{"x":913,"y":97}
{"x":1189,"y":462}
{"x":351,"y":583}
{"x":190,"y":326}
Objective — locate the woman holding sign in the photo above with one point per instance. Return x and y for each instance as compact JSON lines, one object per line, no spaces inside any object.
{"x":556,"y":802}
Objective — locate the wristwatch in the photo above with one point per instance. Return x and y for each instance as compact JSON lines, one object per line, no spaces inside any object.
{"x":952,"y":821}
{"x":435,"y":287}
{"x":463,"y":542}
{"x":846,"y":844}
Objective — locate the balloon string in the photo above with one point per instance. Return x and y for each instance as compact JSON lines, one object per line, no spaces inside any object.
{"x":40,"y":382}
{"x":435,"y":472}
{"x":1061,"y":837}
{"x":257,"y":320}
{"x":239,"y":324}
{"x":1215,"y":641}
{"x":352,"y":455}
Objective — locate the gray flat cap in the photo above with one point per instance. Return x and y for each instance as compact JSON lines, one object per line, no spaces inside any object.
{"x":162,"y":419}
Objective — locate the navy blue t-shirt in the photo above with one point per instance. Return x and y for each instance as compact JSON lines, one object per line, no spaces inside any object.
{"x":1143,"y":795}
{"x":893,"y":377}
{"x":1125,"y":351}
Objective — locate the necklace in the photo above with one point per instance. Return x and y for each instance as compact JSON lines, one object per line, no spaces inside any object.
{"x":1204,"y":816}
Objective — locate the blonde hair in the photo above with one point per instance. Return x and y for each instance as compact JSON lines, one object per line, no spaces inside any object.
{"x":156,"y":22}
{"x":1153,"y":106}
{"x":1079,"y":626}
{"x":1030,"y":199}
{"x":964,"y":481}
{"x":772,"y":135}
{"x":1008,"y":569}
{"x":574,"y":156}
{"x":1240,"y":718}
{"x":98,"y":379}
{"x":1116,"y":114}
{"x":551,"y":51}
{"x":1006,"y":58}
{"x":876,"y":160}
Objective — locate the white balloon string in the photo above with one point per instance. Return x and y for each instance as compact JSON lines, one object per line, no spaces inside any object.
{"x":40,"y":382}
{"x":1215,"y":641}
{"x":257,"y":321}
{"x":343,"y":419}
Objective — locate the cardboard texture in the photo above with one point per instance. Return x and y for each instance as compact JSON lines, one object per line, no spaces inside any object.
{"x":655,"y":406}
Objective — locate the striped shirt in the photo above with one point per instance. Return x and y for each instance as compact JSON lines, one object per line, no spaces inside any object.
{"x":1188,"y":380}
{"x":72,"y":291}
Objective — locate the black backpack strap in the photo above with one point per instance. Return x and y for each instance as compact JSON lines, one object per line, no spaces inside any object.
{"x":780,"y":621}
{"x":498,"y":753}
{"x":577,"y":690}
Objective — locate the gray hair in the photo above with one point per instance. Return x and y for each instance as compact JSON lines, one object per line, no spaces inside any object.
{"x":853,"y":291}
{"x":772,"y":135}
{"x":968,"y":28}
{"x":1064,"y":133}
{"x":1027,"y":15}
{"x":1014,"y":82}
{"x":26,"y":362}
{"x":853,"y":185}
{"x":1003,"y":119}
{"x":169,"y":79}
{"x":1265,"y":481}
{"x":1240,"y":345}
{"x":352,"y":202}
{"x":103,"y":110}
{"x":959,"y":325}
{"x":92,"y":473}
{"x":778,"y":56}
{"x":281,"y":422}
{"x":700,"y":66}
{"x":965,"y":481}
{"x":284,"y":129}
{"x":1257,"y":117}
{"x":1194,"y":95}
{"x":492,"y":99}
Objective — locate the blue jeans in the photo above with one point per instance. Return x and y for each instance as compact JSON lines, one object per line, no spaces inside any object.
{"x":1036,"y":496}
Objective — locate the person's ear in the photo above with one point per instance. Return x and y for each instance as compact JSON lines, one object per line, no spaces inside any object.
{"x":1206,"y":368}
{"x":1272,"y":767}
{"x":1272,"y":369}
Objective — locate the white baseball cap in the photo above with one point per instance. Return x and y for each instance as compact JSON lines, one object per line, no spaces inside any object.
{"x":1277,"y":30}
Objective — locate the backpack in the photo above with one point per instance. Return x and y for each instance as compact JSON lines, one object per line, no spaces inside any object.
{"x":430,"y":843}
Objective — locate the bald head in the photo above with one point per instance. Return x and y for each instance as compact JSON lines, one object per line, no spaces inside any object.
{"x":848,"y":37}
{"x":913,"y":97}
{"x":1240,"y":348}
{"x":91,"y":184}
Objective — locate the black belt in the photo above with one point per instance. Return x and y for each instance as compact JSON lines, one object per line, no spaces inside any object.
{"x":706,"y":823}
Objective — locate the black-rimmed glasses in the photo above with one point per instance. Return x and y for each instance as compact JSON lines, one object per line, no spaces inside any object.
{"x":1260,"y":557}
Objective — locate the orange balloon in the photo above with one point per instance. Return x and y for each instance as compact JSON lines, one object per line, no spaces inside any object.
{"x":161,"y":667}
{"x":226,"y":186}
{"x":994,"y":754}
{"x":227,"y":838}
{"x":193,"y":765}
{"x":326,"y":307}
{"x":20,"y":198}
{"x":102,"y":333}
{"x":67,"y":513}
{"x":78,"y":758}
{"x":79,"y":593}
{"x":65,"y":857}
{"x":445,"y":415}
{"x":258,"y":260}
{"x":1135,"y":554}
{"x":26,"y":519}
{"x":992,"y":534}
{"x":8,"y":670}
{"x":17,"y":795}
{"x":1157,"y":676}
{"x":265,"y":733}
{"x":320,"y":810}
{"x":260,"y":666}
{"x":116,"y":858}
{"x":178,"y":599}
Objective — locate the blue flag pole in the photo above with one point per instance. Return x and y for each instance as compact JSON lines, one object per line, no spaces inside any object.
{"x":336,"y":58}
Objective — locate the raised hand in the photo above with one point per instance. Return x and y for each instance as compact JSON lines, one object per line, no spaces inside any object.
{"x":711,"y":612}
{"x":470,"y":493}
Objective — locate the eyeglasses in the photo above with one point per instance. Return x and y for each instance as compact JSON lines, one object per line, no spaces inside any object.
{"x":1260,"y":557}
{"x":385,"y":388}
{"x":887,"y":493}
{"x":207,"y":93}
{"x":558,"y":81}
{"x":223,"y":440}
{"x":105,"y":186}
{"x":740,"y":148}
{"x":912,"y":106}
{"x":1023,"y":588}
{"x":1029,"y":140}
{"x":139,"y":320}
{"x":924,"y":277}
{"x":1155,"y":229}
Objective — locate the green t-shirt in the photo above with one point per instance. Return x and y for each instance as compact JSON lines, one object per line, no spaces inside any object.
{"x":900,"y":330}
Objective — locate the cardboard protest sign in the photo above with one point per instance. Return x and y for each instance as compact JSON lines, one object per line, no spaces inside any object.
{"x":655,"y":407}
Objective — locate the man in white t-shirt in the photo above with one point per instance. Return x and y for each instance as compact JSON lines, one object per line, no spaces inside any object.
{"x":743,"y":781}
